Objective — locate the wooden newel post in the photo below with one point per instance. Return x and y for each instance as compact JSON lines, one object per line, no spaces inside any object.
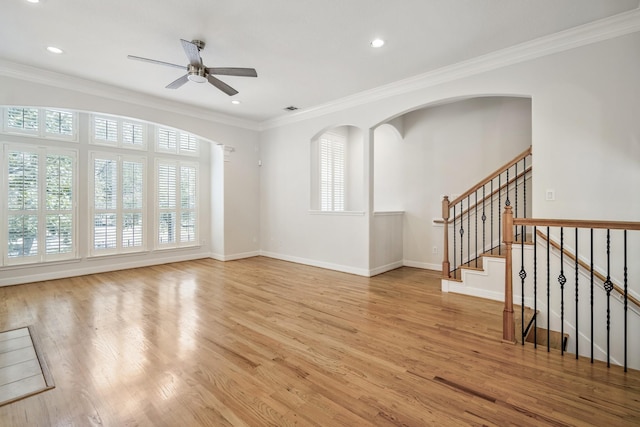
{"x":445,"y":249}
{"x":508,"y":323}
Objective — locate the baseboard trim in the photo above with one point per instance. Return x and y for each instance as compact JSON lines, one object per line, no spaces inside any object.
{"x":423,"y":265}
{"x":316,"y":263}
{"x":385,"y":268}
{"x":67,"y":273}
{"x":233,"y":257}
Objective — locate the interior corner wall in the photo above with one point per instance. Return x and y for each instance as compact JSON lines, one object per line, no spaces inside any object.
{"x":241,"y":200}
{"x":288,"y":229}
{"x":217,"y":202}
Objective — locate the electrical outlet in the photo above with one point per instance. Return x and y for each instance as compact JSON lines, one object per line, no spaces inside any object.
{"x":550,"y":195}
{"x":434,"y":250}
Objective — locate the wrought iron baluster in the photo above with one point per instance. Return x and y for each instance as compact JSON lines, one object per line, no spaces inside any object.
{"x":562,"y":280}
{"x":548,"y":292}
{"x":469,"y":230}
{"x":484,"y":220}
{"x":475,"y":216}
{"x":608,"y":286}
{"x":626,"y":302}
{"x":455,"y":270}
{"x":524,"y":190}
{"x":523,"y":275}
{"x":491,"y":204}
{"x":576,"y":268}
{"x":461,"y":235}
{"x":535,"y":287}
{"x":499,"y":215}
{"x":591,"y":293}
{"x":515,"y":174}
{"x":507,"y":202}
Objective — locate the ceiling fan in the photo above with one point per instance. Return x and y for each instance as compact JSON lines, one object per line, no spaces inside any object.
{"x":197,"y":72}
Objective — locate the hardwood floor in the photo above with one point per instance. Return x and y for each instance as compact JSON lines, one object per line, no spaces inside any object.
{"x":264,"y":342}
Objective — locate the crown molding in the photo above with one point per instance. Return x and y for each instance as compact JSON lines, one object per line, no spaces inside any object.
{"x":593,"y":32}
{"x":65,"y":81}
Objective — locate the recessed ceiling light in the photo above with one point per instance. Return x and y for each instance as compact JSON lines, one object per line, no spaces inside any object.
{"x":235,"y":102}
{"x":54,"y":49}
{"x":377,"y":43}
{"x":33,"y":1}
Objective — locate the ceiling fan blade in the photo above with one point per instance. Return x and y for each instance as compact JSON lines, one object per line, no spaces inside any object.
{"x":178,"y":82}
{"x":230,"y":71}
{"x":192,"y":51}
{"x":154,"y":61}
{"x":222,"y":85}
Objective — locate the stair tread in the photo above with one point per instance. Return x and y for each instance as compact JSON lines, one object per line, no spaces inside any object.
{"x":555,"y":338}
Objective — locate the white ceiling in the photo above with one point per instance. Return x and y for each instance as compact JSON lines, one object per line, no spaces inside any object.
{"x":306,"y":52}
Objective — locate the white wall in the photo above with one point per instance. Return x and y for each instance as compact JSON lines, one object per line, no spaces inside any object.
{"x":288,"y":229}
{"x":585,"y":137}
{"x":446,"y":149}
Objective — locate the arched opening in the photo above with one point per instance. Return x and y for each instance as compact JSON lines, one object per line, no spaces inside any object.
{"x":438,"y":149}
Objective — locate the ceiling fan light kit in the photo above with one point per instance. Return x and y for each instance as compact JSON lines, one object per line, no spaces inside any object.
{"x":197,"y":72}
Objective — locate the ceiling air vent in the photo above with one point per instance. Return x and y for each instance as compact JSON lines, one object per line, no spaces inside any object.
{"x":291,"y":108}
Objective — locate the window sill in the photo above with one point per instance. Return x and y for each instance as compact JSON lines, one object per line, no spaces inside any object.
{"x":337,"y":213}
{"x":40,"y":264}
{"x":176,"y":248}
{"x":115,"y":255}
{"x":388,"y":213}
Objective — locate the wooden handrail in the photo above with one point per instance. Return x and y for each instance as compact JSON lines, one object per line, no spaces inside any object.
{"x":584,"y":265}
{"x":576,"y":223}
{"x":489,"y":196}
{"x":508,"y":333}
{"x":492,"y":176}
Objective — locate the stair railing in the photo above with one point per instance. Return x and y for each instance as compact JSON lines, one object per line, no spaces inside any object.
{"x":588,"y":260}
{"x":478,"y":212}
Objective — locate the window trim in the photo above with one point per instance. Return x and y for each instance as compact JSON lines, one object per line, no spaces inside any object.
{"x":178,"y":150}
{"x":177,"y":243}
{"x":333,"y":138}
{"x":119,"y":211}
{"x":41,"y":257}
{"x":119,"y":142}
{"x":41,"y":131}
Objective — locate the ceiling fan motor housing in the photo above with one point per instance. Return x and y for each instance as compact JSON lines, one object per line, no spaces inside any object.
{"x":197,"y":74}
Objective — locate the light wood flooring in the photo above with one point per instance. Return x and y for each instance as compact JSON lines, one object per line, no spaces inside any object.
{"x":262,"y":342}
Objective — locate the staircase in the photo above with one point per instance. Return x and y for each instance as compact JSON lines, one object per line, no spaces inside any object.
{"x":559,"y":292}
{"x":473,"y":248}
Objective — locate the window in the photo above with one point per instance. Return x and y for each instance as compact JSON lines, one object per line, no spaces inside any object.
{"x":119,"y":132}
{"x":43,"y":203}
{"x":39,"y":204}
{"x":175,"y":141}
{"x":177,"y":204}
{"x":45,"y":123}
{"x":59,"y":122}
{"x":22,"y":119}
{"x":105,"y":130}
{"x":118,"y":204}
{"x":332,"y":172}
